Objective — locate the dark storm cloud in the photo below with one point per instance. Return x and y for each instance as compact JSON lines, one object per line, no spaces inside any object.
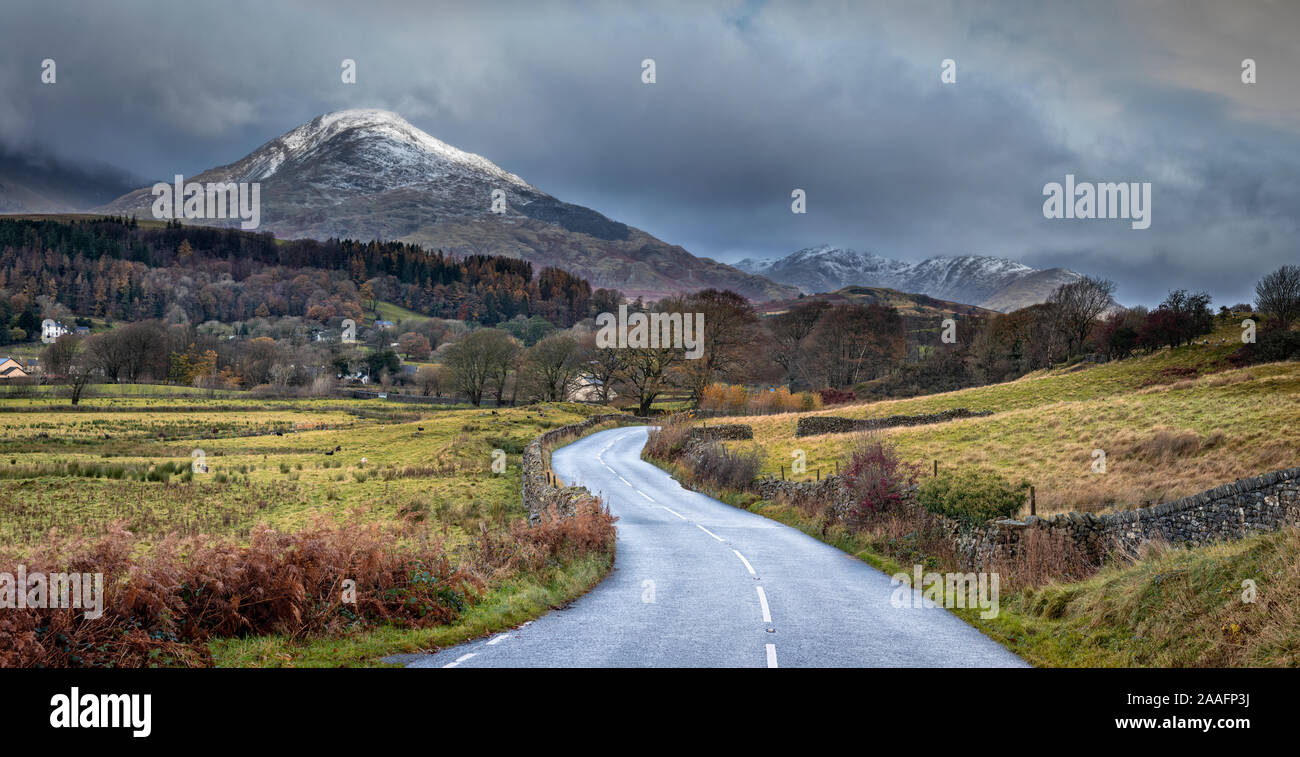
{"x":752,"y":100}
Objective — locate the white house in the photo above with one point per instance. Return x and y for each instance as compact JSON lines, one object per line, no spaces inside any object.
{"x":51,"y":330}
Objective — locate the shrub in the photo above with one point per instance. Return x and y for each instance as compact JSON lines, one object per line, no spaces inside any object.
{"x":878,"y":480}
{"x":1272,"y":345}
{"x":972,"y":497}
{"x":726,"y":468}
{"x":669,"y":440}
{"x":836,"y":396}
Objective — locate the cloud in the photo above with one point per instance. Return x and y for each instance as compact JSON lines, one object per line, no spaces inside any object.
{"x":752,"y":100}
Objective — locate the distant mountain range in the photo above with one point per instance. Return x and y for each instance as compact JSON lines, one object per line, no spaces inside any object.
{"x":988,"y":282}
{"x":369,"y":174}
{"x":34,"y":183}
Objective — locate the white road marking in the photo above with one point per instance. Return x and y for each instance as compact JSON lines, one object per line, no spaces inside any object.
{"x":707,"y":531}
{"x":624,"y":480}
{"x":498,"y":639}
{"x":771,"y":655}
{"x":748,"y":567}
{"x":674,"y":512}
{"x":762,"y":601}
{"x":643,"y":494}
{"x":460,"y":659}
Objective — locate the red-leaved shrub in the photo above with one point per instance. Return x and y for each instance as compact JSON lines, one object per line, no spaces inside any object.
{"x":878,"y":480}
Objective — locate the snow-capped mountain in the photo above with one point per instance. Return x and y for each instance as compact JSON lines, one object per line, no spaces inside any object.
{"x":989,"y":282}
{"x":369,"y":174}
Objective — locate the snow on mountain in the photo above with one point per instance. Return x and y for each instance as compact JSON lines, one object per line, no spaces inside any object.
{"x":369,"y":174}
{"x":992,"y":282}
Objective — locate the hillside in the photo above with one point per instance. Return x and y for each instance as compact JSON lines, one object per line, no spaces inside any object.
{"x":1171,"y":424}
{"x":919,"y":305}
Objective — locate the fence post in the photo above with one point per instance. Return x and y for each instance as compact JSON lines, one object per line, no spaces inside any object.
{"x":782,"y":472}
{"x":819,"y":474}
{"x":1033,"y":501}
{"x":936,"y":468}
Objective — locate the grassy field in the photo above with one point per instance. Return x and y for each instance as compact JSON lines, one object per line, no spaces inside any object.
{"x":1170,"y":424}
{"x":128,"y":462}
{"x":266,"y":461}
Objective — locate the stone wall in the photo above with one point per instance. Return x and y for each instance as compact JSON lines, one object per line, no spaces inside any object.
{"x":1230,"y":511}
{"x":538,"y":493}
{"x":724,"y":432}
{"x":812,"y":425}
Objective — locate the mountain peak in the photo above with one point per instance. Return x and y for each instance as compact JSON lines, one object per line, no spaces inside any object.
{"x":387,"y":149}
{"x":992,"y":282}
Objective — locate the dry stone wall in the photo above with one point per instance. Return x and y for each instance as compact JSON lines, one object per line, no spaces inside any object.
{"x":538,"y":493}
{"x":812,"y":425}
{"x":1231,"y":511}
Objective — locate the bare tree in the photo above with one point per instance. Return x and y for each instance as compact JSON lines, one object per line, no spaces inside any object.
{"x":476,"y":361}
{"x":647,"y":372}
{"x":1277,"y":295}
{"x":1077,"y":306}
{"x":789,"y":331}
{"x":553,"y":365}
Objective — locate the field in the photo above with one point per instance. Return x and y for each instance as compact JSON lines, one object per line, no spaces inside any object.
{"x":1170,"y":424}
{"x":159,"y":465}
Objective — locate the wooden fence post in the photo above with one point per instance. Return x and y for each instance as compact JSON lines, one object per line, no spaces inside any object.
{"x":936,"y":468}
{"x":1033,"y":501}
{"x":782,"y":472}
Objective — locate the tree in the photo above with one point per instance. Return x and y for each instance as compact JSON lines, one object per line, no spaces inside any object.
{"x":69,"y":359}
{"x":858,"y":342}
{"x":553,"y":366}
{"x":730,"y":331}
{"x":603,"y":366}
{"x":475,"y":360}
{"x":415,"y":346}
{"x":1077,"y":305}
{"x":647,"y":373}
{"x":430,"y":380}
{"x":1277,"y":295}
{"x":58,"y":357}
{"x":789,"y":331}
{"x":1178,"y":320}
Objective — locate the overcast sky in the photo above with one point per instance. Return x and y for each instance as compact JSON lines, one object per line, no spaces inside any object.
{"x":752,"y":100}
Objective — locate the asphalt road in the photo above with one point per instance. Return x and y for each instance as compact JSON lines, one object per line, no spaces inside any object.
{"x":699,"y":583}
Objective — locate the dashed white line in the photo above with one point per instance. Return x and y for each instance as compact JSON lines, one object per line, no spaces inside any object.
{"x":643,"y":494}
{"x":460,"y":659}
{"x":762,"y":602}
{"x":624,"y":480}
{"x":498,"y":639}
{"x":674,"y":512}
{"x":707,"y":531}
{"x":771,"y":655}
{"x":748,"y":567}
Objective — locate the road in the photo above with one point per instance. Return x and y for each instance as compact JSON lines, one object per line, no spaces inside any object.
{"x":699,"y":583}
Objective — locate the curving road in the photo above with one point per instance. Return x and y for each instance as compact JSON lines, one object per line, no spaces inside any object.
{"x":699,"y":583}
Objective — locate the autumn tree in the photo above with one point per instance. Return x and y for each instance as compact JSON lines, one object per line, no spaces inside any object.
{"x":414,"y":346}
